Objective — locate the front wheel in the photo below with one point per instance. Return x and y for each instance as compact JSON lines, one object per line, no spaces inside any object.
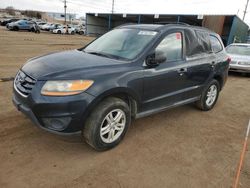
{"x":16,"y":28}
{"x":209,"y":96}
{"x":107,"y":124}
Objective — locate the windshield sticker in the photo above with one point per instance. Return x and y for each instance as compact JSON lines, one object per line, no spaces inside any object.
{"x":152,"y":33}
{"x":178,"y":36}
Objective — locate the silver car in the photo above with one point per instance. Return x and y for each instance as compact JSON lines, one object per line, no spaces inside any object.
{"x":240,"y":57}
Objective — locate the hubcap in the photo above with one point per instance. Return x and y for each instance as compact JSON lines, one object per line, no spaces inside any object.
{"x":113,"y":126}
{"x":211,"y":95}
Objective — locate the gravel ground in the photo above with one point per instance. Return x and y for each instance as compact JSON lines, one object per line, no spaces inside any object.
{"x":181,"y":147}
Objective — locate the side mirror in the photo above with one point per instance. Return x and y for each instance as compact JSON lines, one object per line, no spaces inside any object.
{"x":155,"y":59}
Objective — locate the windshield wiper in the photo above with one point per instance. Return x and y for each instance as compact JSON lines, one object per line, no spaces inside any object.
{"x":99,"y":54}
{"x":105,"y":55}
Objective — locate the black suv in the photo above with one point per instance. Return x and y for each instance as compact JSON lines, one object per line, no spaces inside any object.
{"x":130,"y":72}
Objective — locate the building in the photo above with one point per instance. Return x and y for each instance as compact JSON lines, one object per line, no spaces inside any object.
{"x":60,"y":16}
{"x":230,"y":27}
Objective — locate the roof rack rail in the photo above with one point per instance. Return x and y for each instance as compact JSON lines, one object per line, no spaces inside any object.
{"x":180,"y":23}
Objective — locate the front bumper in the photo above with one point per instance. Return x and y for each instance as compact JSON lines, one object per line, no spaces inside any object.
{"x":59,"y":115}
{"x":239,"y":68}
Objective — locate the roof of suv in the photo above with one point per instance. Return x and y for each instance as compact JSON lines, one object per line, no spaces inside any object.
{"x":160,"y":27}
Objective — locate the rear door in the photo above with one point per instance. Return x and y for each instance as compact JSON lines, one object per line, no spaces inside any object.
{"x":200,"y":62}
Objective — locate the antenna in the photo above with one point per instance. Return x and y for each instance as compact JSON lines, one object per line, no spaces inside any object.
{"x":245,"y":11}
{"x":65,"y":7}
{"x":113,"y":4}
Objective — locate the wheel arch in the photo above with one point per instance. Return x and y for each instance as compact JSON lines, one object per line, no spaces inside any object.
{"x":219,"y":78}
{"x":123,"y":93}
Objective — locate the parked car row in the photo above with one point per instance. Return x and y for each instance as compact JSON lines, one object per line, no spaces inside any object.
{"x":30,"y":25}
{"x":64,"y":29}
{"x":6,"y":21}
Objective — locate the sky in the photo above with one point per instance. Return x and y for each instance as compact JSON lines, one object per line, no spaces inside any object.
{"x":81,"y":7}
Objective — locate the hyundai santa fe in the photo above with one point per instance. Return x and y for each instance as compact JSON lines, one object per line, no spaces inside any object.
{"x":130,"y":72}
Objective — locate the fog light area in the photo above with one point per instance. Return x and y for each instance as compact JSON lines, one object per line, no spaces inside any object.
{"x":57,"y":124}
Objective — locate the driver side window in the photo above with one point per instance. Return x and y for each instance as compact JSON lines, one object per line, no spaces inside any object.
{"x":171,"y":47}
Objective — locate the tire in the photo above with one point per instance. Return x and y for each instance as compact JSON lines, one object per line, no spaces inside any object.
{"x":59,"y":32}
{"x":214,"y":88}
{"x":81,"y":32}
{"x":15,"y":28}
{"x":100,"y":118}
{"x":72,"y":33}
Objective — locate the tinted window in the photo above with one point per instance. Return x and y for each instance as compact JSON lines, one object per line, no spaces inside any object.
{"x":215,"y":43}
{"x":197,"y":42}
{"x":203,"y":42}
{"x":171,"y":46}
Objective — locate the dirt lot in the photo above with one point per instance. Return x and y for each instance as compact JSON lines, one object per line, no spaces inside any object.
{"x":182,"y":147}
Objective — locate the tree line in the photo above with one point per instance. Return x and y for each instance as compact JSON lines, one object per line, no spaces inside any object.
{"x":29,"y":13}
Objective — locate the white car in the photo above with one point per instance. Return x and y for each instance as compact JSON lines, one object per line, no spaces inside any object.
{"x":46,"y":26}
{"x":40,"y":24}
{"x":240,"y":57}
{"x":63,"y":30}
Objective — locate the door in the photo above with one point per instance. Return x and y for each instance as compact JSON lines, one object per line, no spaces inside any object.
{"x":200,"y":64}
{"x":26,"y":25}
{"x":165,"y":83}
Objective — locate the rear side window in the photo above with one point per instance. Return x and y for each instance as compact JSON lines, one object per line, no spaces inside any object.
{"x":216,"y":44}
{"x":197,"y":42}
{"x":171,"y":46}
{"x":203,"y":42}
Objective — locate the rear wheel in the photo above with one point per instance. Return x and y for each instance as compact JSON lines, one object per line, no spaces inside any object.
{"x":107,"y":124}
{"x":59,"y":32}
{"x":209,"y":96}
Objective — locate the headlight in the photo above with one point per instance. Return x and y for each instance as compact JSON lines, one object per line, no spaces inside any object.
{"x":65,"y":87}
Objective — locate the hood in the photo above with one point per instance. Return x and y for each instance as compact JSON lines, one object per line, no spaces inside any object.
{"x":235,"y":57}
{"x":11,"y":23}
{"x":59,"y":63}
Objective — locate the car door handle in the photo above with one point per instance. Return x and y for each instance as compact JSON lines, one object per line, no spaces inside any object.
{"x":181,"y":71}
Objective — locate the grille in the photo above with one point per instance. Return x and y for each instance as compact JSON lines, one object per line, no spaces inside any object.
{"x":24,"y":83}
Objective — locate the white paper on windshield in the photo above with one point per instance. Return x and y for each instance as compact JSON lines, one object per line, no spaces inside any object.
{"x":152,"y":33}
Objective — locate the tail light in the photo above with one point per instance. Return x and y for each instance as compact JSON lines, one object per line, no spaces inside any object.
{"x":229,"y":59}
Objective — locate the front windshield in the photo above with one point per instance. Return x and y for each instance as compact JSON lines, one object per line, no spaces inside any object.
{"x":121,"y":43}
{"x":238,"y":50}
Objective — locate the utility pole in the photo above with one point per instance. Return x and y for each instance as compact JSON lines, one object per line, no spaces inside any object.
{"x":113,"y":2}
{"x":245,"y":11}
{"x":65,"y":15}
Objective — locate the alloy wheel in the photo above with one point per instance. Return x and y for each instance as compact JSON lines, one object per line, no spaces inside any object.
{"x":113,"y":126}
{"x":211,"y":95}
